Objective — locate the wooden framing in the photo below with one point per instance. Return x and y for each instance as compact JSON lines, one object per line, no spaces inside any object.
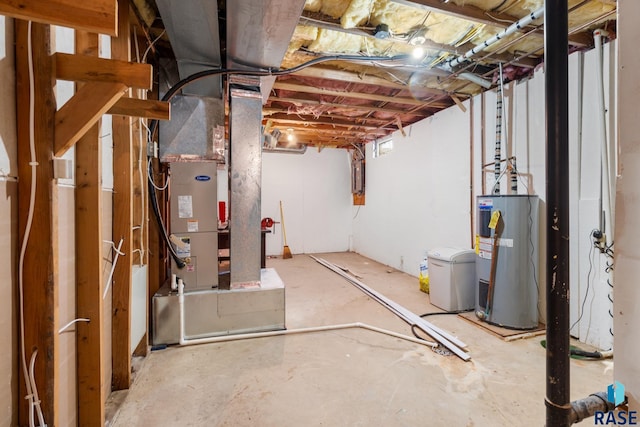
{"x":356,"y":95}
{"x":145,"y":108}
{"x":89,"y":279}
{"x":122,"y":221}
{"x":40,"y":276}
{"x":82,"y":111}
{"x":98,"y":16}
{"x":93,"y":69}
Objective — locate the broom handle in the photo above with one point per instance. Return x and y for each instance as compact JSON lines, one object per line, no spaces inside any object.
{"x":284,"y":232}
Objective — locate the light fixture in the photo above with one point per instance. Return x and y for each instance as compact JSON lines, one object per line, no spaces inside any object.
{"x":419,"y":36}
{"x":290,"y":134}
{"x":418,"y":52}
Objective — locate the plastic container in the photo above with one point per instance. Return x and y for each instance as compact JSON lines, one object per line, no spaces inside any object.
{"x":452,"y":276}
{"x":424,"y":275}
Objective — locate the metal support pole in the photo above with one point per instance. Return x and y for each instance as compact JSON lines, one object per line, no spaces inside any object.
{"x":245,"y":179}
{"x":557,"y":188}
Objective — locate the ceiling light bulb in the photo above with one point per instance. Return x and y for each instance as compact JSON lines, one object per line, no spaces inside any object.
{"x":418,"y":52}
{"x":290,"y":137}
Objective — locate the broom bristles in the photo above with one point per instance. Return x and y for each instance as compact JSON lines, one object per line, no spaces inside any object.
{"x":286,"y":253}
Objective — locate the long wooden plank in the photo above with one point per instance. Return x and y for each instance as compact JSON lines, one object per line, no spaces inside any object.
{"x":122,"y":221}
{"x":94,"y":69}
{"x":89,"y":280}
{"x":145,"y":108}
{"x":82,"y":111}
{"x":355,"y":95}
{"x":97,"y":16}
{"x":40,"y":275}
{"x":298,"y":101}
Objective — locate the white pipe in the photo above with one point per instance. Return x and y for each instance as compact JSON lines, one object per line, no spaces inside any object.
{"x":518,"y":25}
{"x":184,"y":341}
{"x":450,"y":342}
{"x":606,"y":167}
{"x":474,"y":78}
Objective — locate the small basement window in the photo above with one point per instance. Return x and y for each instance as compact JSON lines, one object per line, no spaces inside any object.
{"x":382,"y":146}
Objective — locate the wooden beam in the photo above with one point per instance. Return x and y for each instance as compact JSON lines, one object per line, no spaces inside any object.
{"x":96,"y":16}
{"x":298,"y":101}
{"x":145,"y":108}
{"x":40,"y":275}
{"x":122,"y":220}
{"x":89,"y":279}
{"x":332,"y":119}
{"x":82,"y":111}
{"x":356,"y":95}
{"x":321,"y":122}
{"x":93,"y":69}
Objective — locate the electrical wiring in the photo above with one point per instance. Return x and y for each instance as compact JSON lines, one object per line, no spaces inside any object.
{"x":584,"y":300}
{"x":166,"y":184}
{"x":146,"y":52}
{"x":32,"y":392}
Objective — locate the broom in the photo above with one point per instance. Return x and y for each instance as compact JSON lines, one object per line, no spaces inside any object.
{"x":286,"y":252}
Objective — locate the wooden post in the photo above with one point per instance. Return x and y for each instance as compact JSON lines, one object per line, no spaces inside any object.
{"x":39,"y":271}
{"x":122,"y":221}
{"x":89,"y":281}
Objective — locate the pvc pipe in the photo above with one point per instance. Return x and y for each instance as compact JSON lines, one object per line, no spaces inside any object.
{"x":184,"y":341}
{"x":450,"y":342}
{"x":408,"y":316}
{"x":605,"y":149}
{"x":518,"y":25}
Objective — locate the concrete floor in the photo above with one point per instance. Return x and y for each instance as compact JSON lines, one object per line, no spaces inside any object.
{"x":349,"y":377}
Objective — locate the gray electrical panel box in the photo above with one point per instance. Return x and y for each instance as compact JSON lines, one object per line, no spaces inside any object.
{"x":194,"y":222}
{"x":507,"y":262}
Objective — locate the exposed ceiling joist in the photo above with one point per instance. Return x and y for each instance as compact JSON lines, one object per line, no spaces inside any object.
{"x":298,"y":101}
{"x":356,"y":95}
{"x":325,"y":123}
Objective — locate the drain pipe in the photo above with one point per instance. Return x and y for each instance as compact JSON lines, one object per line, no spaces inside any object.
{"x":184,"y":341}
{"x":606,"y":206}
{"x":587,"y":407}
{"x":556,"y":63}
{"x":516,"y":26}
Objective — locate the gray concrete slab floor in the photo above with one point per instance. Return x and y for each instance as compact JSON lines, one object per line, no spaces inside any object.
{"x":350,"y":377}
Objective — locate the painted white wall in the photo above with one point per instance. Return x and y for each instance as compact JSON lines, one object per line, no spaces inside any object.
{"x":8,"y":229}
{"x":315,"y":190}
{"x":627,"y":235}
{"x":418,"y":195}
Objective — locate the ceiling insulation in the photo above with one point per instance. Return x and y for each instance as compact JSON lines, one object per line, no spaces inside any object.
{"x":341,"y":102}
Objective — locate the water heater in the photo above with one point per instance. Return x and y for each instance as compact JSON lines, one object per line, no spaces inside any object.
{"x":507,"y":260}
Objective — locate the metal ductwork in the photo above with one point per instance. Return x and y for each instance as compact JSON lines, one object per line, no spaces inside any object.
{"x":290,"y":150}
{"x":193,"y":30}
{"x":258,"y":35}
